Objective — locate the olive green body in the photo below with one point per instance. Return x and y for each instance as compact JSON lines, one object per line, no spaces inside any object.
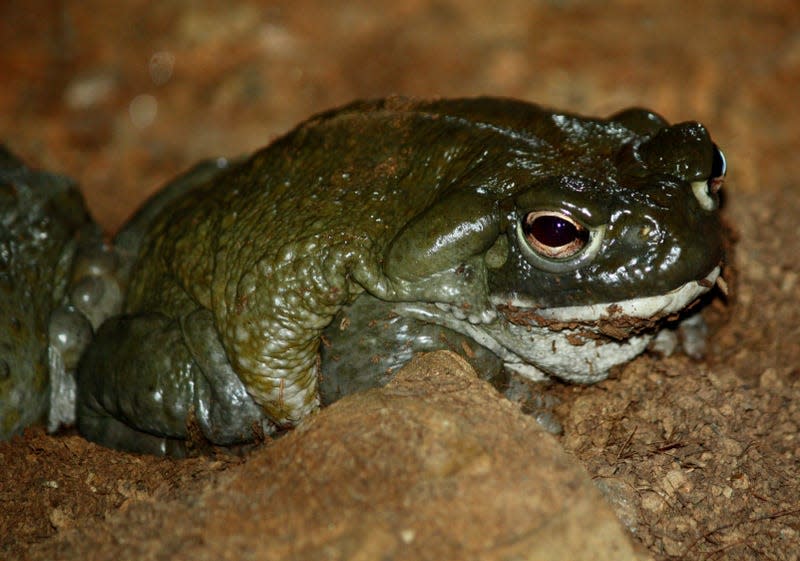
{"x":237,"y":269}
{"x":41,"y":216}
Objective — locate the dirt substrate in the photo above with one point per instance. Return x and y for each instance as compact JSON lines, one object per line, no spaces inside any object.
{"x":698,"y":459}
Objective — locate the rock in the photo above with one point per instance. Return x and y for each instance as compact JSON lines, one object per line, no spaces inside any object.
{"x":436,"y":465}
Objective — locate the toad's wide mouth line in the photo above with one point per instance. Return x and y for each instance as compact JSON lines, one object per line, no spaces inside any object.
{"x":645,"y":307}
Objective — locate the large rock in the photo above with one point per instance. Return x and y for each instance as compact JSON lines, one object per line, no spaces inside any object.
{"x":436,"y":465}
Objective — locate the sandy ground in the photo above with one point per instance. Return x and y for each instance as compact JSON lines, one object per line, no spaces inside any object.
{"x":699,"y":460}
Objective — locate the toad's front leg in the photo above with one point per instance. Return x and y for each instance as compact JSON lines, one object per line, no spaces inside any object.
{"x":146,"y":378}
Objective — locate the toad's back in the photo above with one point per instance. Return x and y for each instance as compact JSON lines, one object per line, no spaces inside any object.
{"x":348,"y":179}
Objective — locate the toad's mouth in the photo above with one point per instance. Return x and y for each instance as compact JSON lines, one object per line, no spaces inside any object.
{"x":576,"y":343}
{"x":649,"y":308}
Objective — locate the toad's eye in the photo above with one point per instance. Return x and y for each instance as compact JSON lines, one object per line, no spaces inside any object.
{"x":719,"y":167}
{"x":553,"y":235}
{"x":706,"y":191}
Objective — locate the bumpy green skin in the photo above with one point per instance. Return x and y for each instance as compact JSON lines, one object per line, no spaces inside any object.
{"x":239,"y":269}
{"x":40,"y":216}
{"x":368,"y":342}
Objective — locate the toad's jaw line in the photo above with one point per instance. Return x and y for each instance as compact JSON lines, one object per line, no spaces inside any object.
{"x":645,"y":307}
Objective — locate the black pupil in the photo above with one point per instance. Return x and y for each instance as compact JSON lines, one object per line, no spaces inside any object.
{"x":553,"y":231}
{"x":718,"y":163}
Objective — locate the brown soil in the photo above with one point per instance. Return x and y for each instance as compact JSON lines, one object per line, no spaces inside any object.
{"x":700,"y":460}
